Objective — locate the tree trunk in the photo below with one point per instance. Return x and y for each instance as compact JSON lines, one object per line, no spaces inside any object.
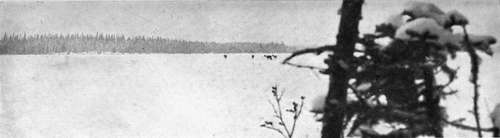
{"x":337,"y":93}
{"x":432,"y":100}
{"x":496,"y":132}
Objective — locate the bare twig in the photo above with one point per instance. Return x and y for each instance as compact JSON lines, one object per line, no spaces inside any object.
{"x":283,"y":129}
{"x":452,"y":73}
{"x":280,"y":115}
{"x":466,"y":127}
{"x":474,"y":70}
{"x":297,"y":115}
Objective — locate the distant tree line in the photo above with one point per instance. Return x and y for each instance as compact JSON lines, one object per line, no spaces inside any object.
{"x":100,"y":43}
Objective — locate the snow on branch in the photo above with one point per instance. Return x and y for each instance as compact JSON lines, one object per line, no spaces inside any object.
{"x":455,"y":18}
{"x":429,"y":10}
{"x":419,"y":26}
{"x":396,"y":20}
{"x":424,"y":10}
{"x":479,"y":42}
{"x":426,"y":25}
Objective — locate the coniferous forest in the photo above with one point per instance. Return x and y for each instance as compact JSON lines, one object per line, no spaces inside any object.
{"x":109,"y":43}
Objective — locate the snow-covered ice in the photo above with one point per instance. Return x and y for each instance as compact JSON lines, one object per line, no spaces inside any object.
{"x":201,"y":95}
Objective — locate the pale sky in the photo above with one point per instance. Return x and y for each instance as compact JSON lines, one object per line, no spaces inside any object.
{"x":294,"y":22}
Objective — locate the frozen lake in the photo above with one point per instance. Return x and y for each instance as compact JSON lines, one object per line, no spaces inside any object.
{"x":177,"y":95}
{"x":197,"y":95}
{"x":146,"y":95}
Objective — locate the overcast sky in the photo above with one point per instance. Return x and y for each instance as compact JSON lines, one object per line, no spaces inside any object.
{"x":294,"y":22}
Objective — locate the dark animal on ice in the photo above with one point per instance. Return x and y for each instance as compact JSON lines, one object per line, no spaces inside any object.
{"x":270,"y":57}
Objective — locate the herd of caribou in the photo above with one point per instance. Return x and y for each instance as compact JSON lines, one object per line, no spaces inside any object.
{"x":268,"y":57}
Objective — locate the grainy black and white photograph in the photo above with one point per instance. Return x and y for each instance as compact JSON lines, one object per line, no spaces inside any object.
{"x":249,"y":68}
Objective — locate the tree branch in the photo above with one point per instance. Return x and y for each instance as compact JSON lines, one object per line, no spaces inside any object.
{"x":474,"y":70}
{"x":466,"y":127}
{"x":317,"y":51}
{"x":304,"y":66}
{"x":296,"y":116}
{"x":280,"y":114}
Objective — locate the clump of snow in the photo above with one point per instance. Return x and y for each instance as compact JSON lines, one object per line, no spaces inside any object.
{"x":419,"y":26}
{"x":382,"y":99}
{"x":422,"y":9}
{"x":427,"y":25}
{"x":395,"y":20}
{"x":441,"y":19}
{"x":418,"y":9}
{"x":429,"y":10}
{"x":385,"y":41}
{"x":487,"y":39}
{"x":480,"y":42}
{"x":364,"y":86}
{"x":455,"y":18}
{"x":446,"y":37}
{"x":382,"y":127}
